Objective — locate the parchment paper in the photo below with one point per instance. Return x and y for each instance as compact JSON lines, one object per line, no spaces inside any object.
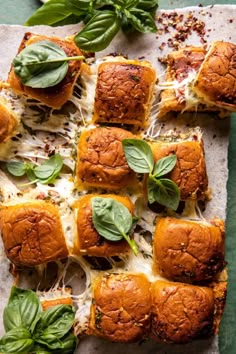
{"x":215,"y":135}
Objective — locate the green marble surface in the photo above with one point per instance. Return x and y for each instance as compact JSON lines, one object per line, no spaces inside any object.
{"x":17,"y":11}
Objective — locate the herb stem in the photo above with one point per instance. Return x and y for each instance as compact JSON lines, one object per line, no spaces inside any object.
{"x":131,"y":243}
{"x":79,"y":57}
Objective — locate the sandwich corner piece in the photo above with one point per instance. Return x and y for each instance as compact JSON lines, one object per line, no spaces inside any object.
{"x":215,"y":82}
{"x":199,"y":79}
{"x":57,"y":95}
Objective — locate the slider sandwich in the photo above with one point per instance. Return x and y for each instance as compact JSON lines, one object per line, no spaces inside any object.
{"x":124,"y":92}
{"x":88,"y":241}
{"x":54,"y":96}
{"x":8,"y":121}
{"x":101,"y":159}
{"x":189,"y":172}
{"x":189,"y":250}
{"x":183,"y":312}
{"x":32,"y":233}
{"x":199,"y":79}
{"x":121,"y":307}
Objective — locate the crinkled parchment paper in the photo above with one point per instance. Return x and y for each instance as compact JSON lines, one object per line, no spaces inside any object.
{"x":219,"y":26}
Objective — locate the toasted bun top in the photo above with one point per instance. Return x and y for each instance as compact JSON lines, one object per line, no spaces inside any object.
{"x":89,"y":242}
{"x":189,"y":172}
{"x":32,"y":233}
{"x":216,"y":79}
{"x":123,"y":92}
{"x":181,"y":312}
{"x":8,"y":121}
{"x":187,"y":250}
{"x":101,"y":158}
{"x":121,"y":307}
{"x":54,"y":96}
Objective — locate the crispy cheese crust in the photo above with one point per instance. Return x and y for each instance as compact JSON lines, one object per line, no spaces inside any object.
{"x":189,"y":172}
{"x":180,"y":64}
{"x":216,"y":79}
{"x":57,"y":95}
{"x":181,"y":312}
{"x":89,"y":242}
{"x":32,"y":233}
{"x":189,"y":251}
{"x":101,"y":159}
{"x":121,"y":307}
{"x":123,"y":92}
{"x":8,"y":122}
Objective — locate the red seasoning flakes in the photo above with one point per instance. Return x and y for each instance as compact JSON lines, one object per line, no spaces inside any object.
{"x":179,"y":26}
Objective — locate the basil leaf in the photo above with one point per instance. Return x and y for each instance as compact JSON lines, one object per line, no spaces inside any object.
{"x":164,"y":165}
{"x":163,"y":191}
{"x":111,"y":219}
{"x":138,"y":155}
{"x":79,"y":7}
{"x":52,"y":13}
{"x":54,"y":324}
{"x":141,"y":20}
{"x":50,"y":169}
{"x":131,"y":3}
{"x":23,"y":309}
{"x":37,"y":66}
{"x":67,"y":346}
{"x":16,"y":168}
{"x":147,"y":5}
{"x":17,"y":340}
{"x":99,"y":31}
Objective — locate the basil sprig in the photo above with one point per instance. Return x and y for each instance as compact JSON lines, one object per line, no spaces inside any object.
{"x":113,"y":220}
{"x":29,"y":329}
{"x":42,"y":64}
{"x":140,"y":159}
{"x":45,"y":173}
{"x":103,"y":18}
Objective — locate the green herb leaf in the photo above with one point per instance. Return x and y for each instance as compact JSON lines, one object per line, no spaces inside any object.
{"x":163,"y":191}
{"x":17,"y":340}
{"x":68,"y":345}
{"x":164,"y":165}
{"x":138,"y":155}
{"x":42,"y":64}
{"x":99,"y":31}
{"x":79,"y":7}
{"x":131,"y":3}
{"x":45,"y":173}
{"x":141,"y":20}
{"x":147,"y":5}
{"x":53,"y":13}
{"x":16,"y":168}
{"x":112,"y":220}
{"x":54,"y":324}
{"x":50,"y":169}
{"x":23,"y":309}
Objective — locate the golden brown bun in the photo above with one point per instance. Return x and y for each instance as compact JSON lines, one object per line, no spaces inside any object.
{"x":89,"y":241}
{"x":220,"y":292}
{"x":180,"y":64}
{"x":101,"y":159}
{"x":123,"y":92}
{"x":216,"y":79}
{"x":188,"y":251}
{"x":8,"y":121}
{"x":181,"y":312}
{"x":189,"y":172}
{"x":121,"y":307}
{"x":32,"y":233}
{"x":57,"y":95}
